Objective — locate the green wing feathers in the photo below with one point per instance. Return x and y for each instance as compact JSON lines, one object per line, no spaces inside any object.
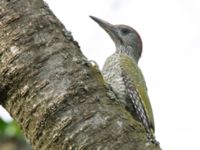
{"x":136,"y":86}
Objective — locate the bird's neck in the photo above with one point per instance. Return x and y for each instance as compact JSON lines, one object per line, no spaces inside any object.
{"x":128,"y":51}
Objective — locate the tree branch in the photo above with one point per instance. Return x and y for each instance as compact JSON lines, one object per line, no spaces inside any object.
{"x":53,"y":92}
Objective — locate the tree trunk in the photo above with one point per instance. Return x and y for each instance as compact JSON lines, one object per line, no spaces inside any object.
{"x":46,"y":84}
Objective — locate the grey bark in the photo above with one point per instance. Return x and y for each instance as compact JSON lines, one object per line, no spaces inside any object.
{"x":53,"y":92}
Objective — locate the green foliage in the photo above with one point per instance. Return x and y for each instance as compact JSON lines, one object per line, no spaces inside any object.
{"x":9,"y":128}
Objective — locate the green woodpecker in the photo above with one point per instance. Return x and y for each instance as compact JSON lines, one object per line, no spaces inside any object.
{"x":121,"y":71}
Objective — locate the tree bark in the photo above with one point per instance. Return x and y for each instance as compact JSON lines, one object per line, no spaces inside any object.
{"x":48,"y":86}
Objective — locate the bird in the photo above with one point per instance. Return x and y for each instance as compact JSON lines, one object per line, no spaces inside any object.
{"x":122,"y":73}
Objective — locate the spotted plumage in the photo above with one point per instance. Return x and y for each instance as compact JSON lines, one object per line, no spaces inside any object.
{"x":126,"y":80}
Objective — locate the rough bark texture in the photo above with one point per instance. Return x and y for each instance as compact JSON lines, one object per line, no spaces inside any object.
{"x":53,"y":92}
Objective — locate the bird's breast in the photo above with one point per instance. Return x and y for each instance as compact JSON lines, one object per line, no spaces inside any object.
{"x":112,"y":74}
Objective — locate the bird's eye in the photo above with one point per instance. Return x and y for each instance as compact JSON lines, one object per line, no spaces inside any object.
{"x":125,"y":31}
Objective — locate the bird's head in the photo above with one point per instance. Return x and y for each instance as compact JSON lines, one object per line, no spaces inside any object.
{"x":126,"y":39}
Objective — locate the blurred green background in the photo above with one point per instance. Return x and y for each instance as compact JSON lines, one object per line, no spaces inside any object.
{"x":11,"y":137}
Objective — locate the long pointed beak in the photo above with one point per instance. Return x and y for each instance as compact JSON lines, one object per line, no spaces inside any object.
{"x":109,"y":28}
